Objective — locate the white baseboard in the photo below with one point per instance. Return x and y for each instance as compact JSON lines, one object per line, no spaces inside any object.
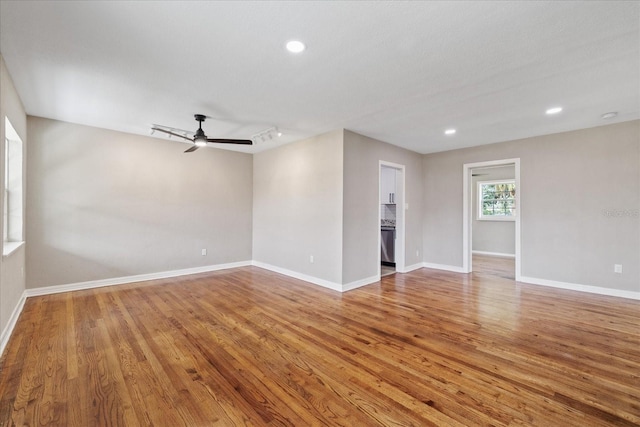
{"x":47,"y":290}
{"x":410,"y":268}
{"x":360,"y":283}
{"x":582,"y":288}
{"x":452,"y":268}
{"x":317,"y":281}
{"x":299,"y":276}
{"x":13,"y":320}
{"x":495,"y":254}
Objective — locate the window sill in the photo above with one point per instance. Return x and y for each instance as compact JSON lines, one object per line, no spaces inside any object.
{"x":498,"y":218}
{"x":10,"y":247}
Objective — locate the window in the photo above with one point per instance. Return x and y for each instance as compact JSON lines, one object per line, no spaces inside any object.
{"x":497,"y":200}
{"x":12,"y":206}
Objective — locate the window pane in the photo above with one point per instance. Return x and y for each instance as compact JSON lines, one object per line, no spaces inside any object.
{"x":488,"y":208}
{"x":13,"y":163}
{"x":497,"y":199}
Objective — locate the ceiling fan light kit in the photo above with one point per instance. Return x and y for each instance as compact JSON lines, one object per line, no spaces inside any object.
{"x":199,"y":139}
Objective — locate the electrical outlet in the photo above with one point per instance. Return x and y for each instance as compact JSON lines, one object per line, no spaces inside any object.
{"x":204,"y":252}
{"x":617,"y":268}
{"x":311,"y":259}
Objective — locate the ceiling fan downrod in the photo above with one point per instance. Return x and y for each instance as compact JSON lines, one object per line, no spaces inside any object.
{"x":200,"y":138}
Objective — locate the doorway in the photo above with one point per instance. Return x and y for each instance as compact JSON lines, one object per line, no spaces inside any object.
{"x":391,"y":218}
{"x":493,"y":221}
{"x":476,"y":174}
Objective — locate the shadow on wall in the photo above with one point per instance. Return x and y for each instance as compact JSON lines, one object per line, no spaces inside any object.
{"x":104,"y":204}
{"x":90,"y":269}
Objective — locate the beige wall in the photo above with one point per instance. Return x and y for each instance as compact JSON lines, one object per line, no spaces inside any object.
{"x":320,"y":197}
{"x":580,"y":196}
{"x":297,"y":207}
{"x":12,"y":282}
{"x":105,"y":204}
{"x":362,"y":156}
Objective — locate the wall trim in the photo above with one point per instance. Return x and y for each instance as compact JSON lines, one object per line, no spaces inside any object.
{"x":453,"y":268}
{"x":401,"y":238}
{"x":467,"y":212}
{"x":581,"y":288}
{"x":11,"y":324}
{"x":360,"y":283}
{"x":495,"y":254}
{"x":47,"y":290}
{"x":411,"y":268}
{"x":299,"y":276}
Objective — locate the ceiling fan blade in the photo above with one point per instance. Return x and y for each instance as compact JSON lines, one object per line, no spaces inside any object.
{"x":172,"y":129}
{"x":230,"y":141}
{"x":191,"y":149}
{"x":172,"y":133}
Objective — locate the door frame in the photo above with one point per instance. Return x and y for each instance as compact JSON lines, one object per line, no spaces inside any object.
{"x":400,"y":214}
{"x":468,"y":209}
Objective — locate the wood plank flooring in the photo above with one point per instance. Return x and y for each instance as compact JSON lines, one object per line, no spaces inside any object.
{"x":494,"y":266}
{"x":250,"y":347}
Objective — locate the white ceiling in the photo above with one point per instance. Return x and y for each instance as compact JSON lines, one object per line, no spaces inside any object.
{"x":401,"y":72}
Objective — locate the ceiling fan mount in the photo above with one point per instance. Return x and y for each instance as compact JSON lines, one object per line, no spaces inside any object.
{"x":199,"y":139}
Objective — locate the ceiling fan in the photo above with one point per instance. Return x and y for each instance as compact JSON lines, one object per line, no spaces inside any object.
{"x":199,"y":139}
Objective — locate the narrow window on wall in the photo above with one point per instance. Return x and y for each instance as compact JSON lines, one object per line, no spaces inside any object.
{"x":13,"y":233}
{"x":497,"y":200}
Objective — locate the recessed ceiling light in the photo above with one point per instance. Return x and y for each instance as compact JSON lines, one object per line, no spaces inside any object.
{"x":449,"y":131}
{"x":554,"y":110}
{"x":295,"y":46}
{"x":610,"y":115}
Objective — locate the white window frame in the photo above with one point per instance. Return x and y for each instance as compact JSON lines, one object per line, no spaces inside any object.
{"x":13,"y":182}
{"x":481,"y":215}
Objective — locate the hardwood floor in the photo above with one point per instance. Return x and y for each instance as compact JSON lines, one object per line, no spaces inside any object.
{"x":386,"y":270}
{"x":251,"y":347}
{"x":486,"y":265}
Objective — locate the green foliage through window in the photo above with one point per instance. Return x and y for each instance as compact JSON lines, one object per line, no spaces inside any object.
{"x":497,"y":199}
